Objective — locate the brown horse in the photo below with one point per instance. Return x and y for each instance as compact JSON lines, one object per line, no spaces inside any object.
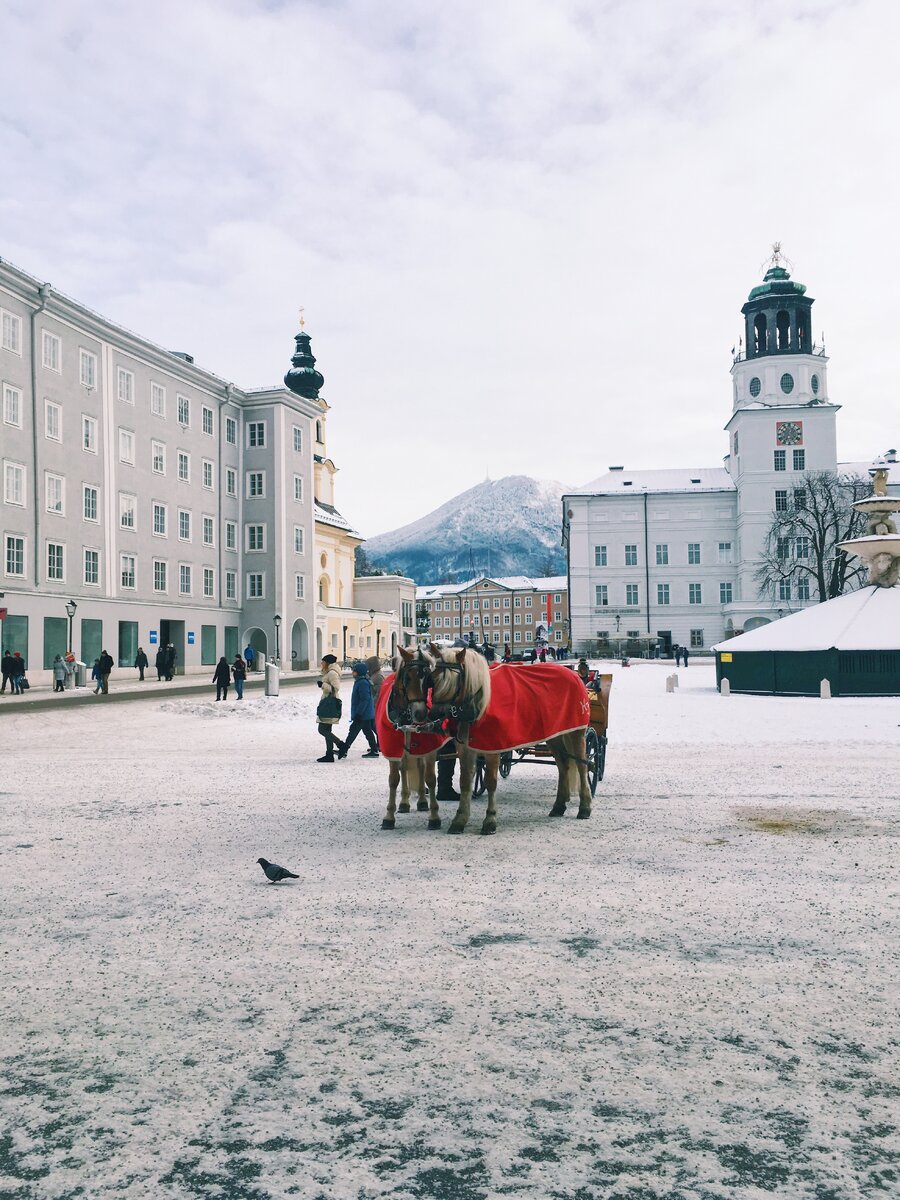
{"x":461,"y":679}
{"x":409,"y":698}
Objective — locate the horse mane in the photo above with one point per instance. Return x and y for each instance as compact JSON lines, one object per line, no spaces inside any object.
{"x":477,"y":676}
{"x":418,"y":652}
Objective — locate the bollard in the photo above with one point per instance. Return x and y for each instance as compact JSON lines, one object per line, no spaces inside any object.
{"x":825,"y":689}
{"x":675,"y":679}
{"x":272,"y":680}
{"x":670,"y":683}
{"x":724,"y":688}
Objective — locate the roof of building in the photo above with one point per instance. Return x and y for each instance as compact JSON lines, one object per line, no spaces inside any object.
{"x":329,"y":515}
{"x":513,"y":583}
{"x":867,"y":619}
{"x":618,"y":481}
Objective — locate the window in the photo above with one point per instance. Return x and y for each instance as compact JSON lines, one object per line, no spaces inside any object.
{"x":496,"y":602}
{"x":799,"y":497}
{"x":184,"y":466}
{"x":184,"y":579}
{"x":158,"y":457}
{"x":184,"y":525}
{"x":231,"y":585}
{"x":89,"y":434}
{"x":517,"y":635}
{"x":256,"y":537}
{"x":724,"y":552}
{"x":799,"y":460}
{"x":299,"y":587}
{"x":662,"y":556}
{"x":12,"y":406}
{"x":55,"y":487}
{"x":528,"y":601}
{"x":157,"y":399}
{"x":55,"y":561}
{"x":517,"y":602}
{"x":52,"y":421}
{"x":160,"y":520}
{"x":803,"y":587}
{"x":209,"y":582}
{"x":506,"y":619}
{"x":780,"y":457}
{"x":207,"y":474}
{"x":230,"y":535}
{"x":51,"y":351}
{"x":231,"y":431}
{"x":184,"y":411}
{"x":782,"y":548}
{"x":695,"y":593}
{"x":11,"y":336}
{"x":256,"y":485}
{"x":599,"y":556}
{"x":505,"y":602}
{"x":13,"y":483}
{"x":125,"y":386}
{"x":802,"y":546}
{"x":208,"y":532}
{"x":298,"y":445}
{"x":256,"y":585}
{"x":662,"y":593}
{"x":696,"y":639}
{"x":90,"y":496}
{"x":91,"y":567}
{"x":781,"y":500}
{"x":126,"y":446}
{"x":160,"y":575}
{"x":476,"y":603}
{"x":784,"y":589}
{"x":298,"y":487}
{"x":631,"y":594}
{"x":631,"y":556}
{"x":298,"y":540}
{"x":15,"y":555}
{"x":230,"y":481}
{"x":725,"y":593}
{"x":206,"y":416}
{"x":127,"y":505}
{"x":694,"y":554}
{"x":127,"y":570}
{"x":87,"y":369}
{"x":256,"y":433}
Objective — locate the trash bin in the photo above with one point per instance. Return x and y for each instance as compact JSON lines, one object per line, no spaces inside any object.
{"x":80,"y":675}
{"x":272,"y":679}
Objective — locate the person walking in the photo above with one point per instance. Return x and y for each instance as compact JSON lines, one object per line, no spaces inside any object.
{"x":250,"y":656}
{"x":59,"y":674}
{"x":160,"y":663}
{"x":239,"y":674}
{"x":507,"y":652}
{"x":684,"y":655}
{"x":141,"y":662}
{"x":170,"y":662}
{"x":329,"y":712}
{"x":362,"y":712}
{"x":17,"y":678}
{"x":95,"y":675}
{"x":6,"y":667}
{"x":376,"y":676}
{"x":221,"y":678}
{"x":106,"y":665}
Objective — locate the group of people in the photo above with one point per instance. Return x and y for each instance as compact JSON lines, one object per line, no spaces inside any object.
{"x":681,"y":654}
{"x":166,"y":658}
{"x":224,"y":674}
{"x":367,"y":681}
{"x":101,"y":672}
{"x":13,"y":666}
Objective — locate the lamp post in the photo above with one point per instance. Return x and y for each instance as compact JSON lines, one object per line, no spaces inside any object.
{"x":344,"y":627}
{"x":276,"y":621}
{"x":70,"y":613}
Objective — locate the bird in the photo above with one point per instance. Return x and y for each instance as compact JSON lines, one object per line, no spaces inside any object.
{"x":274,"y":873}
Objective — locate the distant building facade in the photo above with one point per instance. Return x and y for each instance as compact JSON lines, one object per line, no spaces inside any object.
{"x":511,"y":609}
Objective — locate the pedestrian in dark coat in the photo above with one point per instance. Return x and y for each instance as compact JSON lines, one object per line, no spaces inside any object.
{"x":96,"y":676}
{"x":250,"y":656}
{"x":362,"y":711}
{"x":106,"y":665}
{"x":7,"y":668}
{"x":160,"y":663}
{"x":221,"y":678}
{"x":684,"y":654}
{"x":170,"y":662}
{"x":141,"y":662}
{"x":239,"y":674}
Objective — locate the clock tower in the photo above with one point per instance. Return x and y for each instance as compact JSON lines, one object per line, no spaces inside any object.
{"x":782,"y":425}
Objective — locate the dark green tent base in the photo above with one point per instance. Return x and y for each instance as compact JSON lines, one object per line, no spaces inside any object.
{"x":800,"y":672}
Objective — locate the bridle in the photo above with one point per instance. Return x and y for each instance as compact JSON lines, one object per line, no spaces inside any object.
{"x":400,"y":703}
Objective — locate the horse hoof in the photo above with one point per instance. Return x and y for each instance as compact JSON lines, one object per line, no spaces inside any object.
{"x":558,"y":810}
{"x":489,"y":827}
{"x":388,"y":823}
{"x":584,"y":814}
{"x":423,"y":806}
{"x":434,"y":823}
{"x":403,"y":807}
{"x":454,"y":828}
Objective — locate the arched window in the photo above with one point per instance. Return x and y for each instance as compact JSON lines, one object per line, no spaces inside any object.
{"x":802,"y":339}
{"x":318,"y":431}
{"x":783,"y":325}
{"x":323,"y":589}
{"x":760,"y":334}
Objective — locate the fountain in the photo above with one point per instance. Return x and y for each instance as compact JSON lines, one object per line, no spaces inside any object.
{"x":880,"y":546}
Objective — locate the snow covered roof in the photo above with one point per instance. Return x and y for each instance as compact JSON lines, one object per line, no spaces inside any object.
{"x":868,"y":619}
{"x":329,"y":515}
{"x":514,"y":583}
{"x":679,"y":479}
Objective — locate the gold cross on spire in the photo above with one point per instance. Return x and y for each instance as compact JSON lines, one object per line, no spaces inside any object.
{"x":302,"y":322}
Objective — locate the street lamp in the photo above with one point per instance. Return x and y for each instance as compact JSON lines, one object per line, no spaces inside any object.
{"x":276,"y":621}
{"x":70,"y":613}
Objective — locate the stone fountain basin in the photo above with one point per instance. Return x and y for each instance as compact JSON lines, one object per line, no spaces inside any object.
{"x":868,"y":547}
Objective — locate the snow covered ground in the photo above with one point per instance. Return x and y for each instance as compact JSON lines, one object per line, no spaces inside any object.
{"x":692,"y":995}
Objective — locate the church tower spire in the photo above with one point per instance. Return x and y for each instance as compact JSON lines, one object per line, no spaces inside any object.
{"x":303,"y":379}
{"x":777,"y":317}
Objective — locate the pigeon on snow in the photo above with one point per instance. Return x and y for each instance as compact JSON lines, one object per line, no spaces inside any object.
{"x":274,"y":873}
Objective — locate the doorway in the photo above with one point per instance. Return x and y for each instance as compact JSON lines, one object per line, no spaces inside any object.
{"x":299,"y":646}
{"x":172,"y":633}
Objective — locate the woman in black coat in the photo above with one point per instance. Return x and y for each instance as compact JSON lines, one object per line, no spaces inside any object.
{"x":160,"y":663}
{"x":221,"y":678}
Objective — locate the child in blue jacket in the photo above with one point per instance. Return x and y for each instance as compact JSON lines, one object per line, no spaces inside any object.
{"x":362,"y":712}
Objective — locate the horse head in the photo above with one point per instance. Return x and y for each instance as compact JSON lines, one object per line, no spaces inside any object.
{"x":459,"y":676}
{"x":411,"y":682}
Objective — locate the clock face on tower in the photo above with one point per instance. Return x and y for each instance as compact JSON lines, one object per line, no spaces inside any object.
{"x":789,"y":433}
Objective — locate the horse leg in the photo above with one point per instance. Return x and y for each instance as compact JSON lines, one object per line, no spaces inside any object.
{"x":422,"y":802}
{"x":562,"y":781}
{"x":434,"y":816}
{"x":491,"y":765}
{"x":579,"y":754}
{"x":467,"y":759}
{"x":393,"y":779}
{"x":404,"y":783}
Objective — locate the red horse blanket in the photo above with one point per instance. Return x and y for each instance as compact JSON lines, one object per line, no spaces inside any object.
{"x":529,"y":703}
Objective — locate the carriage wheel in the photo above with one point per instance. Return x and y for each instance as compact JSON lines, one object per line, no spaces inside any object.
{"x":592,"y":755}
{"x":601,"y":758}
{"x":479,"y":783}
{"x":506,"y":762}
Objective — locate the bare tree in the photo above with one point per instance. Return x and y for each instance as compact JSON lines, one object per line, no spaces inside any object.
{"x":800,"y":556}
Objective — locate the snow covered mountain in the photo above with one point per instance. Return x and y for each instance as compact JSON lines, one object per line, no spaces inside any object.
{"x":507,"y":526}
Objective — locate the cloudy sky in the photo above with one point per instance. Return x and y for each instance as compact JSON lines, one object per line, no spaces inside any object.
{"x":522,"y":230}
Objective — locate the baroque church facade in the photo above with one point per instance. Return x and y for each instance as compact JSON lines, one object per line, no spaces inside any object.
{"x":672,"y":555}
